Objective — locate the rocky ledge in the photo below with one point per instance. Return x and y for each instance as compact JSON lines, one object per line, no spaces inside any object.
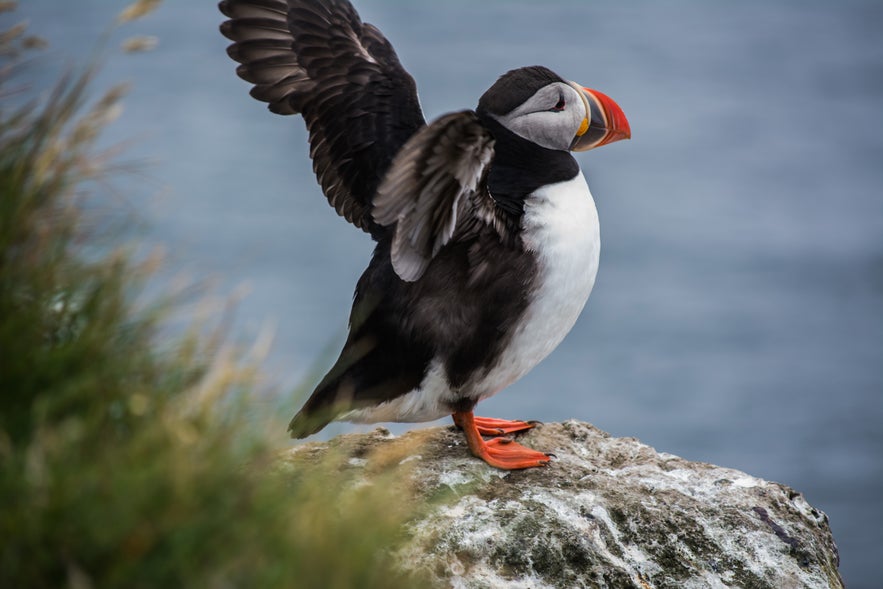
{"x":608,"y":512}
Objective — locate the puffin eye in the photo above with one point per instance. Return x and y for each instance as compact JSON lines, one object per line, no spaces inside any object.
{"x":559,"y":106}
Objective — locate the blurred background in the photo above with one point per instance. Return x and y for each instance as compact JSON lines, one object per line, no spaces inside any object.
{"x":738,"y":313}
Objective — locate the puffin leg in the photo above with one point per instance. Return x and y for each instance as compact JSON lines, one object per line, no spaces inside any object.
{"x":498,"y":452}
{"x":489,"y":426}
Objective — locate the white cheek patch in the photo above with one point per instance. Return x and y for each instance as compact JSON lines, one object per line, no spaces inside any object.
{"x":542,"y":128}
{"x":535,"y":122}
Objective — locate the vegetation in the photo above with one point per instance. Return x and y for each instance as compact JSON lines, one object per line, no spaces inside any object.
{"x":127,"y":460}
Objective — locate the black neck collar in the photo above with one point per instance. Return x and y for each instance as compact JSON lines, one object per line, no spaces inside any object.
{"x":520,"y":167}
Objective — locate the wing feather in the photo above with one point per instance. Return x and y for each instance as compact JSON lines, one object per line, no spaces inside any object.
{"x":434,"y":188}
{"x":317,"y":58}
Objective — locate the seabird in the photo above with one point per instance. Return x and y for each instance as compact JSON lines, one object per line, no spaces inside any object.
{"x":487,"y":237}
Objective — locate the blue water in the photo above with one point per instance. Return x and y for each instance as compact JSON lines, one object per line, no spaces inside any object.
{"x":738,"y":313}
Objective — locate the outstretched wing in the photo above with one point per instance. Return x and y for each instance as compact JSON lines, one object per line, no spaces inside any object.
{"x":435,"y":189}
{"x":317,"y":58}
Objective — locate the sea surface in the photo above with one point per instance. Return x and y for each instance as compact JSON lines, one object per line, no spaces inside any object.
{"x":738,"y":313}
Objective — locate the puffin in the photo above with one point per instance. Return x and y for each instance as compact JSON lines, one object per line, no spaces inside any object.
{"x":486,"y":234}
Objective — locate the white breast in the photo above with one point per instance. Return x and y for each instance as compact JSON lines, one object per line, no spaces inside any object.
{"x":560,"y":225}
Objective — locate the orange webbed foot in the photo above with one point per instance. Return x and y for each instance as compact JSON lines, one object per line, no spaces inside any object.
{"x":499,"y":452}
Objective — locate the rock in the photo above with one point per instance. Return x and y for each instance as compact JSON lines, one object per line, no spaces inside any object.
{"x":609,"y":512}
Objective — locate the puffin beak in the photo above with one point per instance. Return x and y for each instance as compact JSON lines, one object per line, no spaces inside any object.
{"x":604,"y":123}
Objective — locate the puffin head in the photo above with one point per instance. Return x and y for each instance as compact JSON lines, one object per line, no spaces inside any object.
{"x":537,"y":104}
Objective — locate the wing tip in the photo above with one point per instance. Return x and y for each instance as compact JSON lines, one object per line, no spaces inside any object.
{"x":409,"y":266}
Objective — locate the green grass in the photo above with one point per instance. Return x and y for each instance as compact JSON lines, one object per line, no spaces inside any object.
{"x":127,"y":460}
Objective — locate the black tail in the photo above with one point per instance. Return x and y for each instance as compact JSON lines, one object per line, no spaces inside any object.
{"x":306,"y":424}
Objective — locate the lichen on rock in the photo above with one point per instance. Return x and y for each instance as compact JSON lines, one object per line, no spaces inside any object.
{"x":608,"y":512}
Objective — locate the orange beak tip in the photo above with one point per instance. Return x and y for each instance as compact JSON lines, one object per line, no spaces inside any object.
{"x":611,"y":118}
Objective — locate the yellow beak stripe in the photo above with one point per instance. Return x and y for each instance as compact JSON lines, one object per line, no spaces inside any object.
{"x":583,"y":127}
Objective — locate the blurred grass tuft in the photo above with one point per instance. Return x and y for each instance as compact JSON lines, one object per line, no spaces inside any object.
{"x":126,"y":461}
